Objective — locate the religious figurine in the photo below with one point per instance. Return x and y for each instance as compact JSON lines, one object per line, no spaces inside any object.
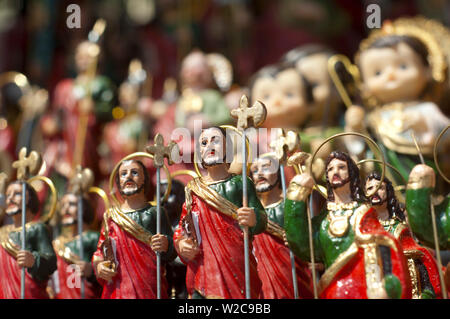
{"x":361,"y":259}
{"x":200,"y":76}
{"x":422,"y":267}
{"x":209,"y":238}
{"x":67,"y":249}
{"x":421,"y":184}
{"x":129,"y":230}
{"x":402,"y":67}
{"x":274,"y":264}
{"x":129,"y":132}
{"x":38,"y":258}
{"x":80,"y":107}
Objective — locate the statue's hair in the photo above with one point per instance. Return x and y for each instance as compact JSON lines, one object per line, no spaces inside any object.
{"x":356,"y":190}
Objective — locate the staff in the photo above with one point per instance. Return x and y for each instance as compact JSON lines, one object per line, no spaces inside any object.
{"x":247,"y":117}
{"x":159,"y":151}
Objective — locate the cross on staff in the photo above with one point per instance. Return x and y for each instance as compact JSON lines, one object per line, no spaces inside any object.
{"x":80,"y":184}
{"x":287,"y":142}
{"x":26,"y":166}
{"x":247,"y":117}
{"x":159,"y":152}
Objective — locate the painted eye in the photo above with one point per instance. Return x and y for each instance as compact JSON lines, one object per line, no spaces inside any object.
{"x":266,"y":96}
{"x":203,"y":143}
{"x":123,"y":174}
{"x":403,"y":66}
{"x":289,"y":94}
{"x":134,"y":173}
{"x":377,"y":72}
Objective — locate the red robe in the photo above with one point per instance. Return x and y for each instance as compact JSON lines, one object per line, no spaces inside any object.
{"x":275,"y":271}
{"x":10,"y":274}
{"x":219,"y":269}
{"x":65,"y":277}
{"x":349,"y":280}
{"x":136,"y":269}
{"x":409,"y":244}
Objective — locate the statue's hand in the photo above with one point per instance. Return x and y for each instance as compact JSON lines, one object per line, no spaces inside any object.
{"x":159,"y":243}
{"x":354,"y":118}
{"x":246,"y":216}
{"x":187,"y":249}
{"x":300,"y":187}
{"x":104,"y":272}
{"x":422,"y":176}
{"x":25,"y":259}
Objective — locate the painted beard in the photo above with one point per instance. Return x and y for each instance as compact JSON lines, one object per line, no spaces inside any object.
{"x":339,"y":183}
{"x":132,"y":191}
{"x":376,"y":200}
{"x":264,"y":187}
{"x":212,"y":161}
{"x":68,"y":221}
{"x":14,"y":212}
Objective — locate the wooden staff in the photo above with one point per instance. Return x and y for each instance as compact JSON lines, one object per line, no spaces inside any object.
{"x":159,"y":151}
{"x":247,"y":117}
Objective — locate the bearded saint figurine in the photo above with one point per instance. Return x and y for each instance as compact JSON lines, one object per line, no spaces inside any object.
{"x":422,"y":267}
{"x":361,"y":259}
{"x":38,"y":257}
{"x":272,"y":255}
{"x":132,"y":274}
{"x":209,"y":238}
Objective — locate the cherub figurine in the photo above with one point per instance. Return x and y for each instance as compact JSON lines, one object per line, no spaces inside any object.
{"x":132,"y":232}
{"x":38,"y":258}
{"x":401,"y":66}
{"x":209,"y":238}
{"x":361,"y":259}
{"x":421,"y":264}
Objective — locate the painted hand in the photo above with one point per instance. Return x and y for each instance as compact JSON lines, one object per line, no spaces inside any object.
{"x":104,"y":272}
{"x":159,"y":243}
{"x":246,"y":216}
{"x":187,"y":249}
{"x":25,"y":259}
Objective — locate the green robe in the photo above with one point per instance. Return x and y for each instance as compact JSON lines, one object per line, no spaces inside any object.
{"x":419,"y":216}
{"x":38,"y":242}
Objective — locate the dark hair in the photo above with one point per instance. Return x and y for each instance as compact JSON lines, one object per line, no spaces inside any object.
{"x":391,"y":41}
{"x":356,"y":190}
{"x":393,"y":206}
{"x":147,"y":186}
{"x":303,"y":51}
{"x":32,"y":197}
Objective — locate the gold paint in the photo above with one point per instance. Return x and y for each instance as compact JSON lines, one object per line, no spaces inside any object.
{"x":415,"y":282}
{"x":373,"y":267}
{"x":7,"y":243}
{"x":130,"y":226}
{"x":416,"y":182}
{"x":59,"y":246}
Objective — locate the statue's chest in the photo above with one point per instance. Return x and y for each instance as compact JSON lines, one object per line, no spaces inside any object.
{"x":337,"y":233}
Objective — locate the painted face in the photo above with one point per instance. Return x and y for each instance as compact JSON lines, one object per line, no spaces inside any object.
{"x":283,"y":97}
{"x":314,"y":68}
{"x":212,"y":147}
{"x":264,"y":174}
{"x":195,"y":72}
{"x":380,"y":196}
{"x":131,"y":178}
{"x":394,"y":74}
{"x":84,"y":55}
{"x":128,"y":95}
{"x":337,"y":173}
{"x":69,"y":210}
{"x":13,"y":199}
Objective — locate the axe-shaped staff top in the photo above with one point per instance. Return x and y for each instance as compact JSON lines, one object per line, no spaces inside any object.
{"x":247,"y":117}
{"x":159,"y":152}
{"x":26,"y":166}
{"x":80,"y":184}
{"x":286,"y":143}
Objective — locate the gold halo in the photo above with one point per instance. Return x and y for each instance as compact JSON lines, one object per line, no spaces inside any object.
{"x":320,"y":188}
{"x":435,"y":154}
{"x":388,"y":165}
{"x":247,"y":146}
{"x":128,"y":157}
{"x":54,"y":201}
{"x":340,"y":135}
